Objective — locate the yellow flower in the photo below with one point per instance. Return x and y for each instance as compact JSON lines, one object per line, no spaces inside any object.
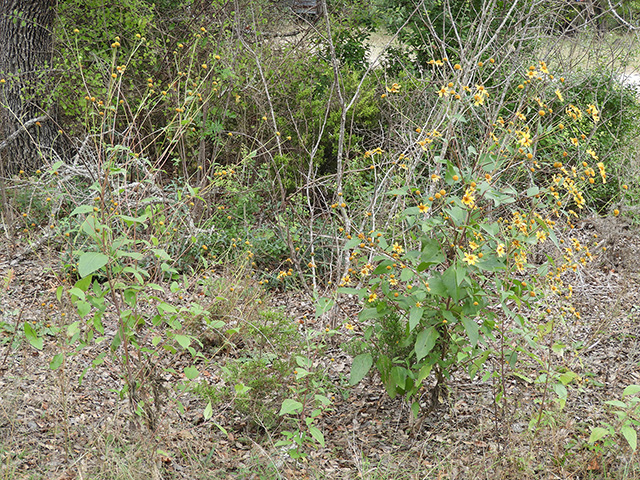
{"x":435,"y":177}
{"x":397,"y":248}
{"x":543,"y":67}
{"x":467,"y":198}
{"x":423,"y":208}
{"x":473,"y":245}
{"x":372,"y":297}
{"x":395,"y":88}
{"x":593,"y":111}
{"x":500,"y":250}
{"x":574,"y":112}
{"x":444,"y":92}
{"x":559,"y":95}
{"x":603,"y":174}
{"x":470,"y":258}
{"x":348,"y":326}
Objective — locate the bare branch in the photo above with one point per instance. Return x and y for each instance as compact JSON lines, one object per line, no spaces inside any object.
{"x":23,"y":128}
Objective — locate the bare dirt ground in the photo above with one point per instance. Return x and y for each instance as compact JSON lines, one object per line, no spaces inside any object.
{"x":53,"y":427}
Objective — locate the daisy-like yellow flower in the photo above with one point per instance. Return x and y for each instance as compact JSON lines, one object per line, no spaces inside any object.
{"x":592,"y":153}
{"x":470,"y":258}
{"x":395,"y":88}
{"x":435,"y":177}
{"x":467,"y":198}
{"x":366,"y":270}
{"x":444,"y":92}
{"x":473,"y":245}
{"x":423,"y":208}
{"x":541,"y":236}
{"x":559,"y":95}
{"x":372,"y":297}
{"x":574,"y":112}
{"x":348,"y":326}
{"x":593,"y":111}
{"x":500,"y":250}
{"x":543,"y":67}
{"x":397,"y":248}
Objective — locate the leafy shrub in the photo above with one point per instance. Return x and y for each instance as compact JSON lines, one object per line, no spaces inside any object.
{"x":453,"y":275}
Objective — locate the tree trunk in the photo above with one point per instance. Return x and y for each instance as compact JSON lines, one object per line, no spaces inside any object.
{"x":26,"y":44}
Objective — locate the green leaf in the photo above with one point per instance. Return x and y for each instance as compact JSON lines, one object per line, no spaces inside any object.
{"x":368,"y":313}
{"x":90,"y":262}
{"x":360,"y":367}
{"x":415,"y":314}
{"x":183,"y":340}
{"x":458,"y":215}
{"x":398,"y":191}
{"x":83,"y":308}
{"x":208,"y":411}
{"x":631,"y":435}
{"x":164,"y":308}
{"x":424,"y":372}
{"x":322,"y":399}
{"x":90,"y":225}
{"x":425,"y":342}
{"x":290,"y":406}
{"x":82,"y":209}
{"x":597,"y":433}
{"x":83,"y":284}
{"x":160,"y":254}
{"x":317,"y":434}
{"x":99,"y":360}
{"x":31,"y":335}
{"x":399,"y":377}
{"x":75,"y":291}
{"x":431,"y":252}
{"x":323,"y":305}
{"x":471,"y":327}
{"x":56,"y":361}
{"x":450,"y":282}
{"x":241,"y":388}
{"x":191,"y":372}
{"x":382,"y":267}
{"x":350,"y":291}
{"x":131,"y":220}
{"x":126,"y":253}
{"x":631,"y":390}
{"x":406,"y":274}
{"x":561,"y":391}
{"x":415,"y":409}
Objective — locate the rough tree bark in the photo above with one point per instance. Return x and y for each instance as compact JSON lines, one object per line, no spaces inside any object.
{"x":26,"y":44}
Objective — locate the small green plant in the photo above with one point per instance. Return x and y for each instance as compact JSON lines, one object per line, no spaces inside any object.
{"x":627,"y":420}
{"x":306,"y":404}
